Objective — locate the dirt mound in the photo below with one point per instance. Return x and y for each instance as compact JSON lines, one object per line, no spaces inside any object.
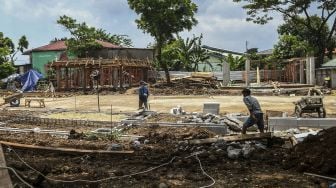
{"x":317,"y":154}
{"x":157,"y":134}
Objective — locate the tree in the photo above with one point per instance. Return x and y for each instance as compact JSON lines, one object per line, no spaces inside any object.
{"x":236,"y":63}
{"x":185,"y":55}
{"x":6,"y":69}
{"x":190,"y":53}
{"x":8,"y":53}
{"x":260,"y":11}
{"x":290,"y":46}
{"x":84,"y":38}
{"x":305,"y":36}
{"x":162,"y":19}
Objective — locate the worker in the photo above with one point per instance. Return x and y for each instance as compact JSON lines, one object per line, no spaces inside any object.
{"x":143,"y":95}
{"x":256,"y":114}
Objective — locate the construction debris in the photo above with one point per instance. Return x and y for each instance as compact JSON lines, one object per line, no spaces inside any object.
{"x":316,"y":153}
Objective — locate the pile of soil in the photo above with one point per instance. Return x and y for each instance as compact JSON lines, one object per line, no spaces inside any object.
{"x":316,"y":154}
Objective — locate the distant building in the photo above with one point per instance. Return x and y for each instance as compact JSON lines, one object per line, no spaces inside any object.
{"x":54,"y":51}
{"x":117,"y":66}
{"x":265,"y":53}
{"x":216,"y":60}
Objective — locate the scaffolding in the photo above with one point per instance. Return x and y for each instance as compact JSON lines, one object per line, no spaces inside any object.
{"x":75,"y":74}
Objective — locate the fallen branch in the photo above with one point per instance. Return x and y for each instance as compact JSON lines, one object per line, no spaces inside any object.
{"x":320,"y":176}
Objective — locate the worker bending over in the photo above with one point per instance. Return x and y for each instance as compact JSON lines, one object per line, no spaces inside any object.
{"x":256,"y":115}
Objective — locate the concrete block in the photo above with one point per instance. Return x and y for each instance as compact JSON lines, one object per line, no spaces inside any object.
{"x":309,"y":122}
{"x":280,"y":123}
{"x":212,"y":108}
{"x":327,"y":123}
{"x":222,"y":129}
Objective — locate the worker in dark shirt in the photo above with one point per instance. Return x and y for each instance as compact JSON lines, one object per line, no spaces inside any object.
{"x":256,"y":114}
{"x":143,"y":95}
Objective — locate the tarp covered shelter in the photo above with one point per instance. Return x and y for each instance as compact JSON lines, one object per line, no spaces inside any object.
{"x":30,"y":79}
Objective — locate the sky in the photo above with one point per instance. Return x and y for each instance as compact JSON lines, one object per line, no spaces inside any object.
{"x":222,"y":23}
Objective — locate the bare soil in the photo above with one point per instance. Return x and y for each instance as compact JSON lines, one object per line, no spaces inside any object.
{"x":161,"y":160}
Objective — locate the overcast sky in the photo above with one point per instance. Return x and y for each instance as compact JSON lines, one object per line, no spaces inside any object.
{"x":222,"y":22}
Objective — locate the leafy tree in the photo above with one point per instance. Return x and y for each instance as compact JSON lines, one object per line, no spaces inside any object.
{"x":84,"y":38}
{"x":6,"y":69}
{"x":236,"y":63}
{"x":162,"y":19}
{"x":303,"y":34}
{"x":181,"y":54}
{"x":170,"y":56}
{"x":290,"y":46}
{"x":260,"y":12}
{"x":190,"y":53}
{"x":8,"y":52}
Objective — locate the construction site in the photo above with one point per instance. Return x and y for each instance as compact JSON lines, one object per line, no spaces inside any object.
{"x":206,"y":99}
{"x":189,"y":137}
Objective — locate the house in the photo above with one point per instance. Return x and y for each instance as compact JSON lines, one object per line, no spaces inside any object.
{"x":217,"y":57}
{"x":327,"y":69}
{"x":43,"y":55}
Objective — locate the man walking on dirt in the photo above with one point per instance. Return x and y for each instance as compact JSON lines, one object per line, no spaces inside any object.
{"x":256,"y":115}
{"x":143,"y":95}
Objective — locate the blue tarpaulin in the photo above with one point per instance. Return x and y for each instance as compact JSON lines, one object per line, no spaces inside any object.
{"x":30,"y":79}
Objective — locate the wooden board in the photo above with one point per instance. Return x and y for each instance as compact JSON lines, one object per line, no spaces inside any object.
{"x":240,"y":137}
{"x":63,"y":150}
{"x":5,"y":180}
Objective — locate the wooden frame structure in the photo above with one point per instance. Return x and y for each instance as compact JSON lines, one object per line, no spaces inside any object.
{"x":114,"y":73}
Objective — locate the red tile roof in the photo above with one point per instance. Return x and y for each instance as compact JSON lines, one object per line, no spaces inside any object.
{"x":60,"y":46}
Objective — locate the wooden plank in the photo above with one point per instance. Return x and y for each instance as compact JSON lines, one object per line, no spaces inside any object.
{"x":63,"y":150}
{"x":5,"y":180}
{"x":232,"y":138}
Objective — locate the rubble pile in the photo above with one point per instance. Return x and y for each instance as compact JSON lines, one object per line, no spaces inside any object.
{"x":191,"y":85}
{"x":176,"y":140}
{"x":232,"y":123}
{"x":316,"y":154}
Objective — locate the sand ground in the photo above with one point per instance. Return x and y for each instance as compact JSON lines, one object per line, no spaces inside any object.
{"x":163,"y":104}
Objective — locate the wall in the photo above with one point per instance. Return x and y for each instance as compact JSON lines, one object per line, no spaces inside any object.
{"x":39,"y":59}
{"x":333,"y":78}
{"x":322,"y":73}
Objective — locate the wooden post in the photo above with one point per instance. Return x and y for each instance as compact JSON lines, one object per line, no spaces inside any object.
{"x":84,"y":78}
{"x":66,"y":77}
{"x":302,"y":72}
{"x":145,"y":74}
{"x":121,"y":76}
{"x":5,"y":180}
{"x":58,"y":78}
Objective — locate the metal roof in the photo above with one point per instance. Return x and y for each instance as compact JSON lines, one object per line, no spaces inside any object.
{"x":61,"y":46}
{"x":331,"y":63}
{"x":221,"y":50}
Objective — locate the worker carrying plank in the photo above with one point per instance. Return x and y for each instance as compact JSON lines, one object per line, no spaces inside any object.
{"x":256,"y":114}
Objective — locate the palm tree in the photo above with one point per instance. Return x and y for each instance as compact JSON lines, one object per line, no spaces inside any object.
{"x":190,"y":53}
